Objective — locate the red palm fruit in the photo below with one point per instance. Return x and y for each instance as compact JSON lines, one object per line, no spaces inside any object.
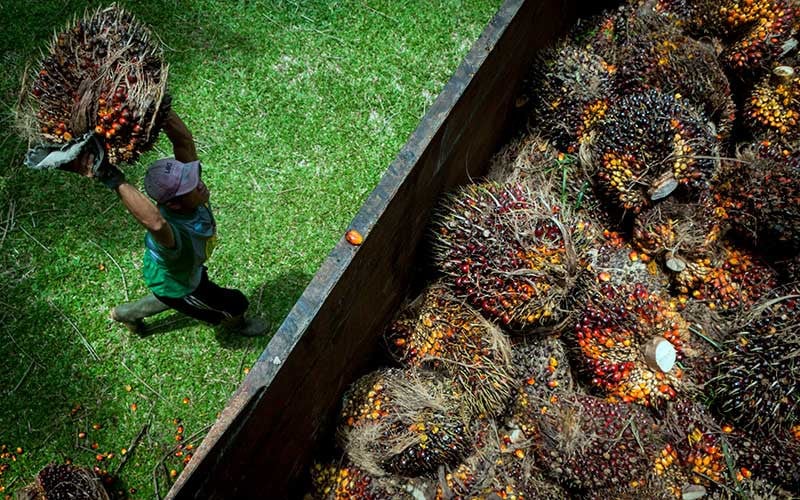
{"x":648,"y":144}
{"x":402,"y":422}
{"x":757,"y":386}
{"x":511,"y":251}
{"x":438,"y":332}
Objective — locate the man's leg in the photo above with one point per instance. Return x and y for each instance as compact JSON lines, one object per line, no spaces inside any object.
{"x":218,"y":306}
{"x":132,"y":314}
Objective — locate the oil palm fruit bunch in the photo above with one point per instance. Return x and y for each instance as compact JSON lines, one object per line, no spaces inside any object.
{"x":670,"y":61}
{"x":760,"y":197}
{"x":533,"y":159}
{"x":498,"y":469}
{"x":758,"y":383}
{"x":345,"y":481}
{"x":104,"y":74}
{"x":403,"y":422}
{"x":729,"y":279}
{"x":773,"y":106}
{"x":574,"y":89}
{"x":439,"y":332}
{"x":542,"y":374}
{"x":647,"y":145}
{"x":63,"y":482}
{"x":774,"y":458}
{"x":511,"y":251}
{"x":698,"y":445}
{"x":755,"y":30}
{"x":588,"y":443}
{"x":675,"y":231}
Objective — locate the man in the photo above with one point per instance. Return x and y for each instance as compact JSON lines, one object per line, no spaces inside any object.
{"x":181,"y":235}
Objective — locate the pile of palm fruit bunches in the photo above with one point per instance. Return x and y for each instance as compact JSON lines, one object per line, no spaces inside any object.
{"x":103,"y":75}
{"x":614,"y":311}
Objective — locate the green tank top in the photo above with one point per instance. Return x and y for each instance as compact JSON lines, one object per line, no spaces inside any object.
{"x":176,"y":272}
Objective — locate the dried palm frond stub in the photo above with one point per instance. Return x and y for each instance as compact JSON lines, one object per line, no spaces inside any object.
{"x":402,"y":422}
{"x":761,"y":199}
{"x":758,"y":382}
{"x":574,"y":89}
{"x":438,"y":332}
{"x":588,"y":443}
{"x":660,"y":14}
{"x":345,"y":481}
{"x":729,"y":279}
{"x":512,"y":251}
{"x":676,"y":231}
{"x":756,"y":29}
{"x":105,"y":74}
{"x":773,"y":106}
{"x":63,"y":482}
{"x":629,"y":340}
{"x":648,"y":144}
{"x":673,"y":62}
{"x":614,"y":259}
{"x":499,"y":468}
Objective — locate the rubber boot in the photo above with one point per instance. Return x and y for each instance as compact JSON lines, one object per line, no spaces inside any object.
{"x":246,"y":327}
{"x":131,"y":314}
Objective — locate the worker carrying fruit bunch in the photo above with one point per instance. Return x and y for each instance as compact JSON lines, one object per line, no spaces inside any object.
{"x":181,"y":235}
{"x":98,"y":100}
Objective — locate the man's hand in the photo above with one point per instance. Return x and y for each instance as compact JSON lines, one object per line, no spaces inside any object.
{"x":83,"y":164}
{"x":109,"y":175}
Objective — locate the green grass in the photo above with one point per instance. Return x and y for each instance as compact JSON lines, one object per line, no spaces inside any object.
{"x":297,"y":109}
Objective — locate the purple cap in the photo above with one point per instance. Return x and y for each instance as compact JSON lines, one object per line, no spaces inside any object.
{"x":168,"y":178}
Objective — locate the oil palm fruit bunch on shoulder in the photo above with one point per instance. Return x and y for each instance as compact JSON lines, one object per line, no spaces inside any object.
{"x":588,"y":443}
{"x":773,"y":106}
{"x":629,"y":340}
{"x":671,"y":61}
{"x":403,"y":422}
{"x":760,"y":198}
{"x":438,"y":332}
{"x":754,"y":31}
{"x":574,"y":89}
{"x":648,"y":144}
{"x":62,"y":482}
{"x":345,"y":481}
{"x":104,"y":74}
{"x":512,"y":251}
{"x":757,"y":386}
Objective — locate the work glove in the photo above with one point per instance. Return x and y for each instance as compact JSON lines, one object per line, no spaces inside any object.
{"x":110,"y":176}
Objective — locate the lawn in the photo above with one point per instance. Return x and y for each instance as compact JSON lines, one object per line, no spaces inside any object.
{"x":297,"y":108}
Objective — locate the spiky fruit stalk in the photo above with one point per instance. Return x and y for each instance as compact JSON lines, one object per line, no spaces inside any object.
{"x":436,"y":331}
{"x":103,"y":73}
{"x":758,"y":382}
{"x":509,"y":250}
{"x":573,"y":91}
{"x":589,"y":443}
{"x":648,"y":144}
{"x":402,"y":422}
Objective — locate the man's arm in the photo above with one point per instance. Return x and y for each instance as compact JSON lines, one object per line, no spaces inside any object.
{"x":139,"y":205}
{"x":183,"y":146}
